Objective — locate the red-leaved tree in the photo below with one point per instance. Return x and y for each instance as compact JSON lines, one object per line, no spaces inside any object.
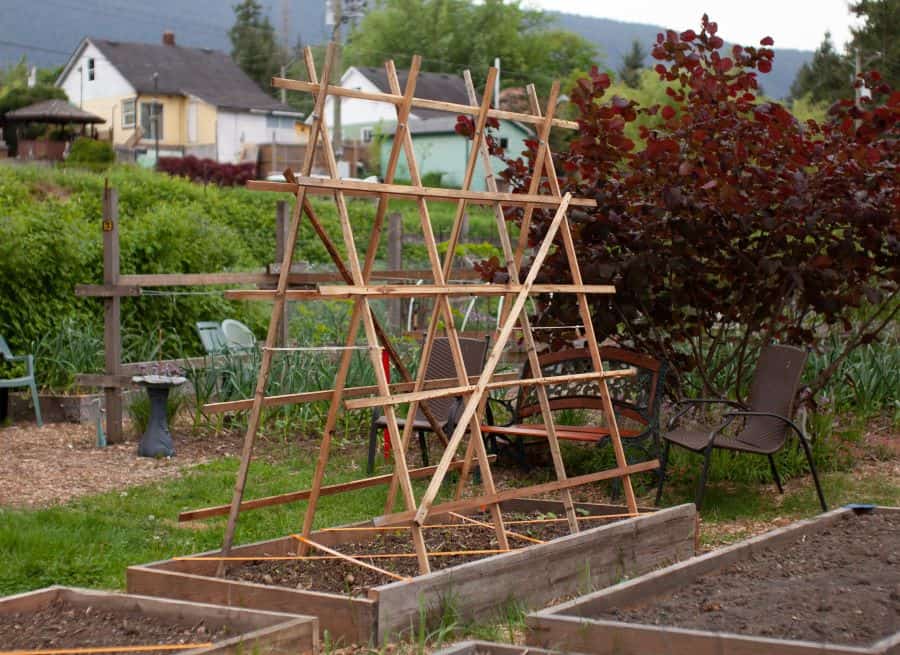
{"x":730,"y":224}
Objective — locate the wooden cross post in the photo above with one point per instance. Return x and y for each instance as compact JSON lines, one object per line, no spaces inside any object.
{"x":112,"y":314}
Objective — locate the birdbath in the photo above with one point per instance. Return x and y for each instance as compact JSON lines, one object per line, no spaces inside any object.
{"x":157,"y":440}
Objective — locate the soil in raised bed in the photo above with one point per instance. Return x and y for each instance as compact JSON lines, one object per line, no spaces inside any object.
{"x":340,"y":576}
{"x":62,"y":625}
{"x":839,"y":585}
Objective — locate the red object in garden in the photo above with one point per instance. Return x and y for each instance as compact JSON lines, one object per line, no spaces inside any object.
{"x":386,"y":365}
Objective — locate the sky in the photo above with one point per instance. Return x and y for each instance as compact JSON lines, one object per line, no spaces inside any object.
{"x":797,"y":24}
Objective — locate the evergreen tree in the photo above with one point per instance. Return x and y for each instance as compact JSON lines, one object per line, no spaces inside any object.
{"x":254,"y":46}
{"x":877,"y":39}
{"x":828,"y":77}
{"x":632,"y":65}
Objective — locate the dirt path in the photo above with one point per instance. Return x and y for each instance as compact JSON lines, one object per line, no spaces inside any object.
{"x":60,"y":461}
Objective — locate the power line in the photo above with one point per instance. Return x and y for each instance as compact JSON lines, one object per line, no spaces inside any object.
{"x":34,"y":47}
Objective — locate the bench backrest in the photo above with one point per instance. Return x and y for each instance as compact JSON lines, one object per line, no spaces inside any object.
{"x":635,"y":397}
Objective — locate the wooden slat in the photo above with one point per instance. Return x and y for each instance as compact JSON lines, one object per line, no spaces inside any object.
{"x":296,"y":496}
{"x":326,"y":186}
{"x":406,"y":518}
{"x":421,"y":103}
{"x":350,"y":392}
{"x":399,"y":399}
{"x":565,"y":432}
{"x":331,"y":292}
{"x":103,"y":380}
{"x":106,"y":290}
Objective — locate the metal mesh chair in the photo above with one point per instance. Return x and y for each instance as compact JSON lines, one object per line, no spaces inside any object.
{"x":445,"y":410}
{"x":766,"y":419}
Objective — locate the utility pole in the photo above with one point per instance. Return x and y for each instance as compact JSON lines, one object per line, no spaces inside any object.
{"x":336,"y":72}
{"x":285,"y":41}
{"x":497,"y":83}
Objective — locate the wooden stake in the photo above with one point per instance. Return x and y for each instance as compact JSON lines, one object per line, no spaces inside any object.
{"x":442,"y":304}
{"x":591,"y":338}
{"x":494,"y":358}
{"x":512,"y":268}
{"x":350,"y":558}
{"x":112,"y":314}
{"x":316,"y":130}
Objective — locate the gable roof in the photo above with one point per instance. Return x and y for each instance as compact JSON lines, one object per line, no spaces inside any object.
{"x":432,"y":86}
{"x":210,"y":75}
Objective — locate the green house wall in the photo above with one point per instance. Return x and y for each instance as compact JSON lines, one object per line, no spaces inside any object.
{"x":448,"y":153}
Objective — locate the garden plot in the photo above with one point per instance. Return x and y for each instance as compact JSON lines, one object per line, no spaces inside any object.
{"x":65,"y":620}
{"x":359,"y":605}
{"x":829,"y":584}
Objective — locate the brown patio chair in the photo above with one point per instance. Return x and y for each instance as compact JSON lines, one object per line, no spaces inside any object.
{"x":766,"y":419}
{"x":445,"y":410}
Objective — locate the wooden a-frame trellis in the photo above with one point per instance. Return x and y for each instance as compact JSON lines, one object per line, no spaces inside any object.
{"x":474,"y":389}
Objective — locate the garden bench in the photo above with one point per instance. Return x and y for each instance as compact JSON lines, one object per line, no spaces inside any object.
{"x":636,"y":401}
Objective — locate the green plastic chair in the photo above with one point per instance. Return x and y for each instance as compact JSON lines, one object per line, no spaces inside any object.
{"x":26,"y":380}
{"x":212,"y":337}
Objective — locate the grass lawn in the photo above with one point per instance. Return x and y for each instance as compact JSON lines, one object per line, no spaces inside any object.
{"x":89,"y":542}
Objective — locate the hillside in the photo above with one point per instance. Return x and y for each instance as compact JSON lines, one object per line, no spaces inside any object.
{"x":205,"y":23}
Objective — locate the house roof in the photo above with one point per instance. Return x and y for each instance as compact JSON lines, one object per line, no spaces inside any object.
{"x":210,"y":75}
{"x":53,"y":111}
{"x":432,"y":86}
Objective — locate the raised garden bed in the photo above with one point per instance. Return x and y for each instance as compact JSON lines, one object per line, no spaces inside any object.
{"x":62,"y":618}
{"x":364,"y":610}
{"x":490,"y":648}
{"x":826,"y":585}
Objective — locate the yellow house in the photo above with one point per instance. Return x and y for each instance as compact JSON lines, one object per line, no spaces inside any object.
{"x":178,"y":100}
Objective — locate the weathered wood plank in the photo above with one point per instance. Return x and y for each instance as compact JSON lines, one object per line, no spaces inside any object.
{"x":327,"y":187}
{"x":592,"y":558}
{"x":421,"y":103}
{"x":281,"y":499}
{"x":404,"y":518}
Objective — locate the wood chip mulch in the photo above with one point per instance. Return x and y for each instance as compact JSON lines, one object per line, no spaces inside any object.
{"x":52,"y":464}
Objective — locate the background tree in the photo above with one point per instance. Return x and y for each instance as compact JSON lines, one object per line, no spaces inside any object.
{"x":254,"y":46}
{"x":632,"y":65}
{"x":827,"y":78}
{"x":877,"y":37}
{"x":730,"y":224}
{"x":452,"y":35}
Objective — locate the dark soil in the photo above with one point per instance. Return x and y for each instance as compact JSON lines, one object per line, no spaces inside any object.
{"x":840,"y":585}
{"x":339,"y":576}
{"x":63,"y":625}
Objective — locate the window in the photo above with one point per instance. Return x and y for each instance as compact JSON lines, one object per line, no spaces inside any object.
{"x":151,"y":119}
{"x":366,"y":134}
{"x":128,"y":111}
{"x":504,"y":142}
{"x":91,"y":69}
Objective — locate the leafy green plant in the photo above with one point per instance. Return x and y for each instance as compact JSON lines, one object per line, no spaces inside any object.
{"x":90,"y":151}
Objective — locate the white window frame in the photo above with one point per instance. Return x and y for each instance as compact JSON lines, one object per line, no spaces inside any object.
{"x":125,"y":103}
{"x":367,"y":134}
{"x":91,"y":69}
{"x":148,"y":134}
